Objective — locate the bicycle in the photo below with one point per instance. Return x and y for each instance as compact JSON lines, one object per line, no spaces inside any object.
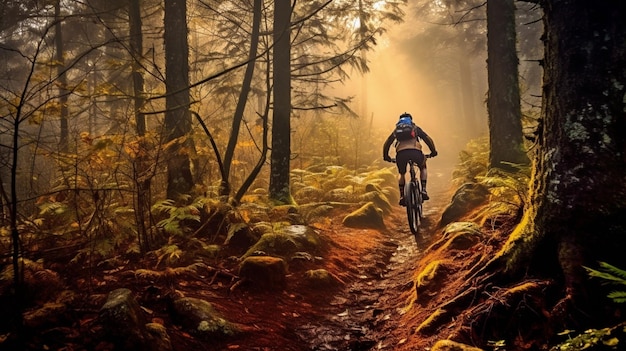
{"x":413,"y":198}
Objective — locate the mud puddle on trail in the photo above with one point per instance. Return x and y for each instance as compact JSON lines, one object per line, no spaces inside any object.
{"x":363,"y":314}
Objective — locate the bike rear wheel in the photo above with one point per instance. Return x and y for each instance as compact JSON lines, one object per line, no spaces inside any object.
{"x":413,"y":201}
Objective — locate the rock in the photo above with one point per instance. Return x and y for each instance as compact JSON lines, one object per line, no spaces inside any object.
{"x":466,"y":198}
{"x":265,"y":272}
{"x":286,"y":242}
{"x":321,"y":279}
{"x":368,"y":216}
{"x":376,"y":195}
{"x":201,"y":319}
{"x":158,"y":339}
{"x":123,"y":321}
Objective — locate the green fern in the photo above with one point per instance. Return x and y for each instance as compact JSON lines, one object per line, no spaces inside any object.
{"x":311,"y":214}
{"x":613,"y":276}
{"x":170,"y":254}
{"x":173,"y":224}
{"x":473,"y":161}
{"x":588,"y":340}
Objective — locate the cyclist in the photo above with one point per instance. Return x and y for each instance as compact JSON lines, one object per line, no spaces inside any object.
{"x":408,"y":147}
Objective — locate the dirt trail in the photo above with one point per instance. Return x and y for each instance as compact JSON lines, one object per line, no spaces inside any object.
{"x":365,"y":315}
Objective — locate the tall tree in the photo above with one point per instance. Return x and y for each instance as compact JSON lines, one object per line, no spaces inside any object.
{"x":141,"y":166}
{"x":279,"y":189}
{"x":579,"y":172}
{"x":177,"y":114}
{"x":243,"y":94}
{"x":62,"y":80}
{"x":503,"y":101}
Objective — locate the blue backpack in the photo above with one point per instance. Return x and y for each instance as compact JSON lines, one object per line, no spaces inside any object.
{"x":404,"y":129}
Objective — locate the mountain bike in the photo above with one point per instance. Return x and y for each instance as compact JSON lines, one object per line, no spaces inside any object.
{"x":413,"y":198}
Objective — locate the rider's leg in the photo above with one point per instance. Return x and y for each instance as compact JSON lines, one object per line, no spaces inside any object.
{"x":401,"y":162}
{"x":423,"y":180}
{"x":401,"y":188}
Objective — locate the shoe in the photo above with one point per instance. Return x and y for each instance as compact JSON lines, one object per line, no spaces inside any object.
{"x":425,"y":195}
{"x":402,"y":202}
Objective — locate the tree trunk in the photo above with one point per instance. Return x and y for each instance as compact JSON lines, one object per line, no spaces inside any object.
{"x":503,"y":101}
{"x":579,"y":185}
{"x":243,"y":96}
{"x":279,"y":189}
{"x":177,"y":115}
{"x":62,"y":79}
{"x":141,"y":166}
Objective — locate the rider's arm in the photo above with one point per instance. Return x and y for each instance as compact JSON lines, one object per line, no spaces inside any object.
{"x":427,"y":139}
{"x":387,"y":145}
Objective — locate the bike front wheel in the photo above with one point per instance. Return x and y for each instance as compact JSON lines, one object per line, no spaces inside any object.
{"x":413,"y":206}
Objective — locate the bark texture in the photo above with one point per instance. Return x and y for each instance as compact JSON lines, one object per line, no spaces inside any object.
{"x":579,"y":182}
{"x":177,"y":115}
{"x":279,"y":189}
{"x":503,"y":101}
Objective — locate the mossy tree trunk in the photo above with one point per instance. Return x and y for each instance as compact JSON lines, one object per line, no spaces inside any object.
{"x":578,"y":192}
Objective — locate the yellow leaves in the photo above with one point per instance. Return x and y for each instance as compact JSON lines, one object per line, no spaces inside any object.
{"x":85,"y":137}
{"x":248,"y":143}
{"x":132,"y":148}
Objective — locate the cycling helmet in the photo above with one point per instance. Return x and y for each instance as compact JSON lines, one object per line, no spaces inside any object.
{"x":406,"y":115}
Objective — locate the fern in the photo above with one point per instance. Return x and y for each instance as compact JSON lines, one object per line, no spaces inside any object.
{"x":613,"y":276}
{"x":176,"y":216}
{"x":233,"y":228}
{"x":170,"y":253}
{"x":473,"y":161}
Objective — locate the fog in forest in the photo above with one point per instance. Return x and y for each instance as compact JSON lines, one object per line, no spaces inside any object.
{"x":408,"y":74}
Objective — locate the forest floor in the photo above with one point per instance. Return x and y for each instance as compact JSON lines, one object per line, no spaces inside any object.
{"x":364,"y":313}
{"x":375,"y":269}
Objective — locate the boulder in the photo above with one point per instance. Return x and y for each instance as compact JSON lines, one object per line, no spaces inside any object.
{"x":368,"y":216}
{"x":285,"y":242}
{"x":265,"y":272}
{"x":201,"y":319}
{"x":123,"y":321}
{"x":465,"y":199}
{"x":321,"y":279}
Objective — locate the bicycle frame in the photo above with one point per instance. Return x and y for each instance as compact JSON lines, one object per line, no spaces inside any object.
{"x":413,"y":199}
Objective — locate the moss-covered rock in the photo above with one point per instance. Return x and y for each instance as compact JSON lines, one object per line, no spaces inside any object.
{"x":284,"y":242}
{"x":321,"y":279}
{"x":265,"y":272}
{"x":158,"y":338}
{"x":376,"y":195}
{"x":449,"y":345}
{"x":466,"y":198}
{"x":368,"y":216}
{"x":200,"y":318}
{"x":123,"y":320}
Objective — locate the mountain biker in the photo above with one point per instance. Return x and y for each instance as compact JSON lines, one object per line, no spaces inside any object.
{"x":408,"y":147}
